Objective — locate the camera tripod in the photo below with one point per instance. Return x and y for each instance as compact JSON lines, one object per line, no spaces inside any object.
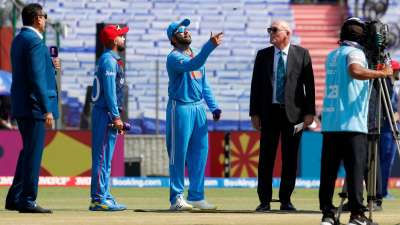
{"x":373,"y":145}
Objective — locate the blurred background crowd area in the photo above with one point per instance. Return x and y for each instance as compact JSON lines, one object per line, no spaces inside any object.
{"x":73,"y":26}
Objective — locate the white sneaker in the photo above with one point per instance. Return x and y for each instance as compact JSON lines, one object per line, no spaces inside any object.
{"x":202,"y":205}
{"x":328,"y":221}
{"x":180,"y":205}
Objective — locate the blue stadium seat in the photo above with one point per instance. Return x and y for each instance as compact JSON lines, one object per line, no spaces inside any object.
{"x":229,"y":68}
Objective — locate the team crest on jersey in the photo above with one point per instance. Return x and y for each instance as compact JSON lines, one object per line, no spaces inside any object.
{"x":196,"y":74}
{"x":122,"y":81}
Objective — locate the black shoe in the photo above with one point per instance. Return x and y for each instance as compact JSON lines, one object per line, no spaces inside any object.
{"x":35,"y":209}
{"x":360,"y":220}
{"x":11,"y":206}
{"x":287,"y":207}
{"x":263,"y":207}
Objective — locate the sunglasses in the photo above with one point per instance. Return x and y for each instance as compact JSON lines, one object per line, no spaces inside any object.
{"x":180,"y":29}
{"x":273,"y":30}
{"x":44,"y":15}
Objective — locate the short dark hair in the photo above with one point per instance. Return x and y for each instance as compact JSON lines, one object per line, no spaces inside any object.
{"x":29,"y":12}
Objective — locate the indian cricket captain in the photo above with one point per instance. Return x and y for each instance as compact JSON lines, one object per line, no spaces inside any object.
{"x":186,"y":129}
{"x":107,"y":96}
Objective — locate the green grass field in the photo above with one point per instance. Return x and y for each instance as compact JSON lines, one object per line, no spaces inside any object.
{"x":70,"y":208}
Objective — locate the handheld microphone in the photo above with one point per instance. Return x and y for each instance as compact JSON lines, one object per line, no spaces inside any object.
{"x":125,"y":127}
{"x":53,"y":51}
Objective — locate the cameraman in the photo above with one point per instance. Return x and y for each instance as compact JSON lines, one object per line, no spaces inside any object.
{"x":344,"y":121}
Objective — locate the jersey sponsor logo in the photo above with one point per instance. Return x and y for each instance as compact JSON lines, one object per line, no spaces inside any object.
{"x":196,"y":74}
{"x":110,"y":73}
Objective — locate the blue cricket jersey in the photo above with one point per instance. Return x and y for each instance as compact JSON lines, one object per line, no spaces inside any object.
{"x":345,"y":106}
{"x":187,"y":77}
{"x":109,"y":82}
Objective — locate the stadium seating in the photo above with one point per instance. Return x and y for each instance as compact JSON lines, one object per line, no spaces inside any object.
{"x":229,"y":68}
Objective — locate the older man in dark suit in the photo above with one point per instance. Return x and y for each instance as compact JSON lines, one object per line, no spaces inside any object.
{"x":34,"y":105}
{"x":282,"y":96}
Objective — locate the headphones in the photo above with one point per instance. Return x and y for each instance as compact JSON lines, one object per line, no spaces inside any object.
{"x":354,"y":21}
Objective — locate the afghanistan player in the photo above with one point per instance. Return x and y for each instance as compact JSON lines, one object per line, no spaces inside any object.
{"x":107,"y":97}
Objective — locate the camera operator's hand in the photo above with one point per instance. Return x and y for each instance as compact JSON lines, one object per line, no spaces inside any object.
{"x":118,"y":124}
{"x":386,"y":71}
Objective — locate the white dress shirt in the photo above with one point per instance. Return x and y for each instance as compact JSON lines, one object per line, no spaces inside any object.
{"x":36,"y":31}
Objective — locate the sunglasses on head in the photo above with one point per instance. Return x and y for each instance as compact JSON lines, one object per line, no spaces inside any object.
{"x":44,"y":15}
{"x":180,"y":29}
{"x":273,"y":30}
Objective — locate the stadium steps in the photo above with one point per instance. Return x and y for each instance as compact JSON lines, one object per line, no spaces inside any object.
{"x":318,"y":28}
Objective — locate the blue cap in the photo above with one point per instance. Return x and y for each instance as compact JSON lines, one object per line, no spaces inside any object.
{"x":174,"y":25}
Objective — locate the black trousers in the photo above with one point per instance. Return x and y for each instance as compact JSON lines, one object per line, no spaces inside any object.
{"x":277,"y":127}
{"x":351,"y":148}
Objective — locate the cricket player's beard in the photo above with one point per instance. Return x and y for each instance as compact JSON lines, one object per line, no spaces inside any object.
{"x":120,"y":48}
{"x":184,"y":41}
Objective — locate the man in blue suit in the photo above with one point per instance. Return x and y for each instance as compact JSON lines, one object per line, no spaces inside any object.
{"x":34,"y":105}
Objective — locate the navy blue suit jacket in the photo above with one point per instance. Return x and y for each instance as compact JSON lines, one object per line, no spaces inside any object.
{"x":34,"y":87}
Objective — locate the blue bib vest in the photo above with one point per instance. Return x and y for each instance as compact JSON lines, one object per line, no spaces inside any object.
{"x":345,"y":106}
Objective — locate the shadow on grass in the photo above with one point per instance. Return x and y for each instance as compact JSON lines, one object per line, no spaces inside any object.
{"x":229,"y":211}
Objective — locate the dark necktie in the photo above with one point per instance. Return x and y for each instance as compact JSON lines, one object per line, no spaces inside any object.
{"x":280,"y":79}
